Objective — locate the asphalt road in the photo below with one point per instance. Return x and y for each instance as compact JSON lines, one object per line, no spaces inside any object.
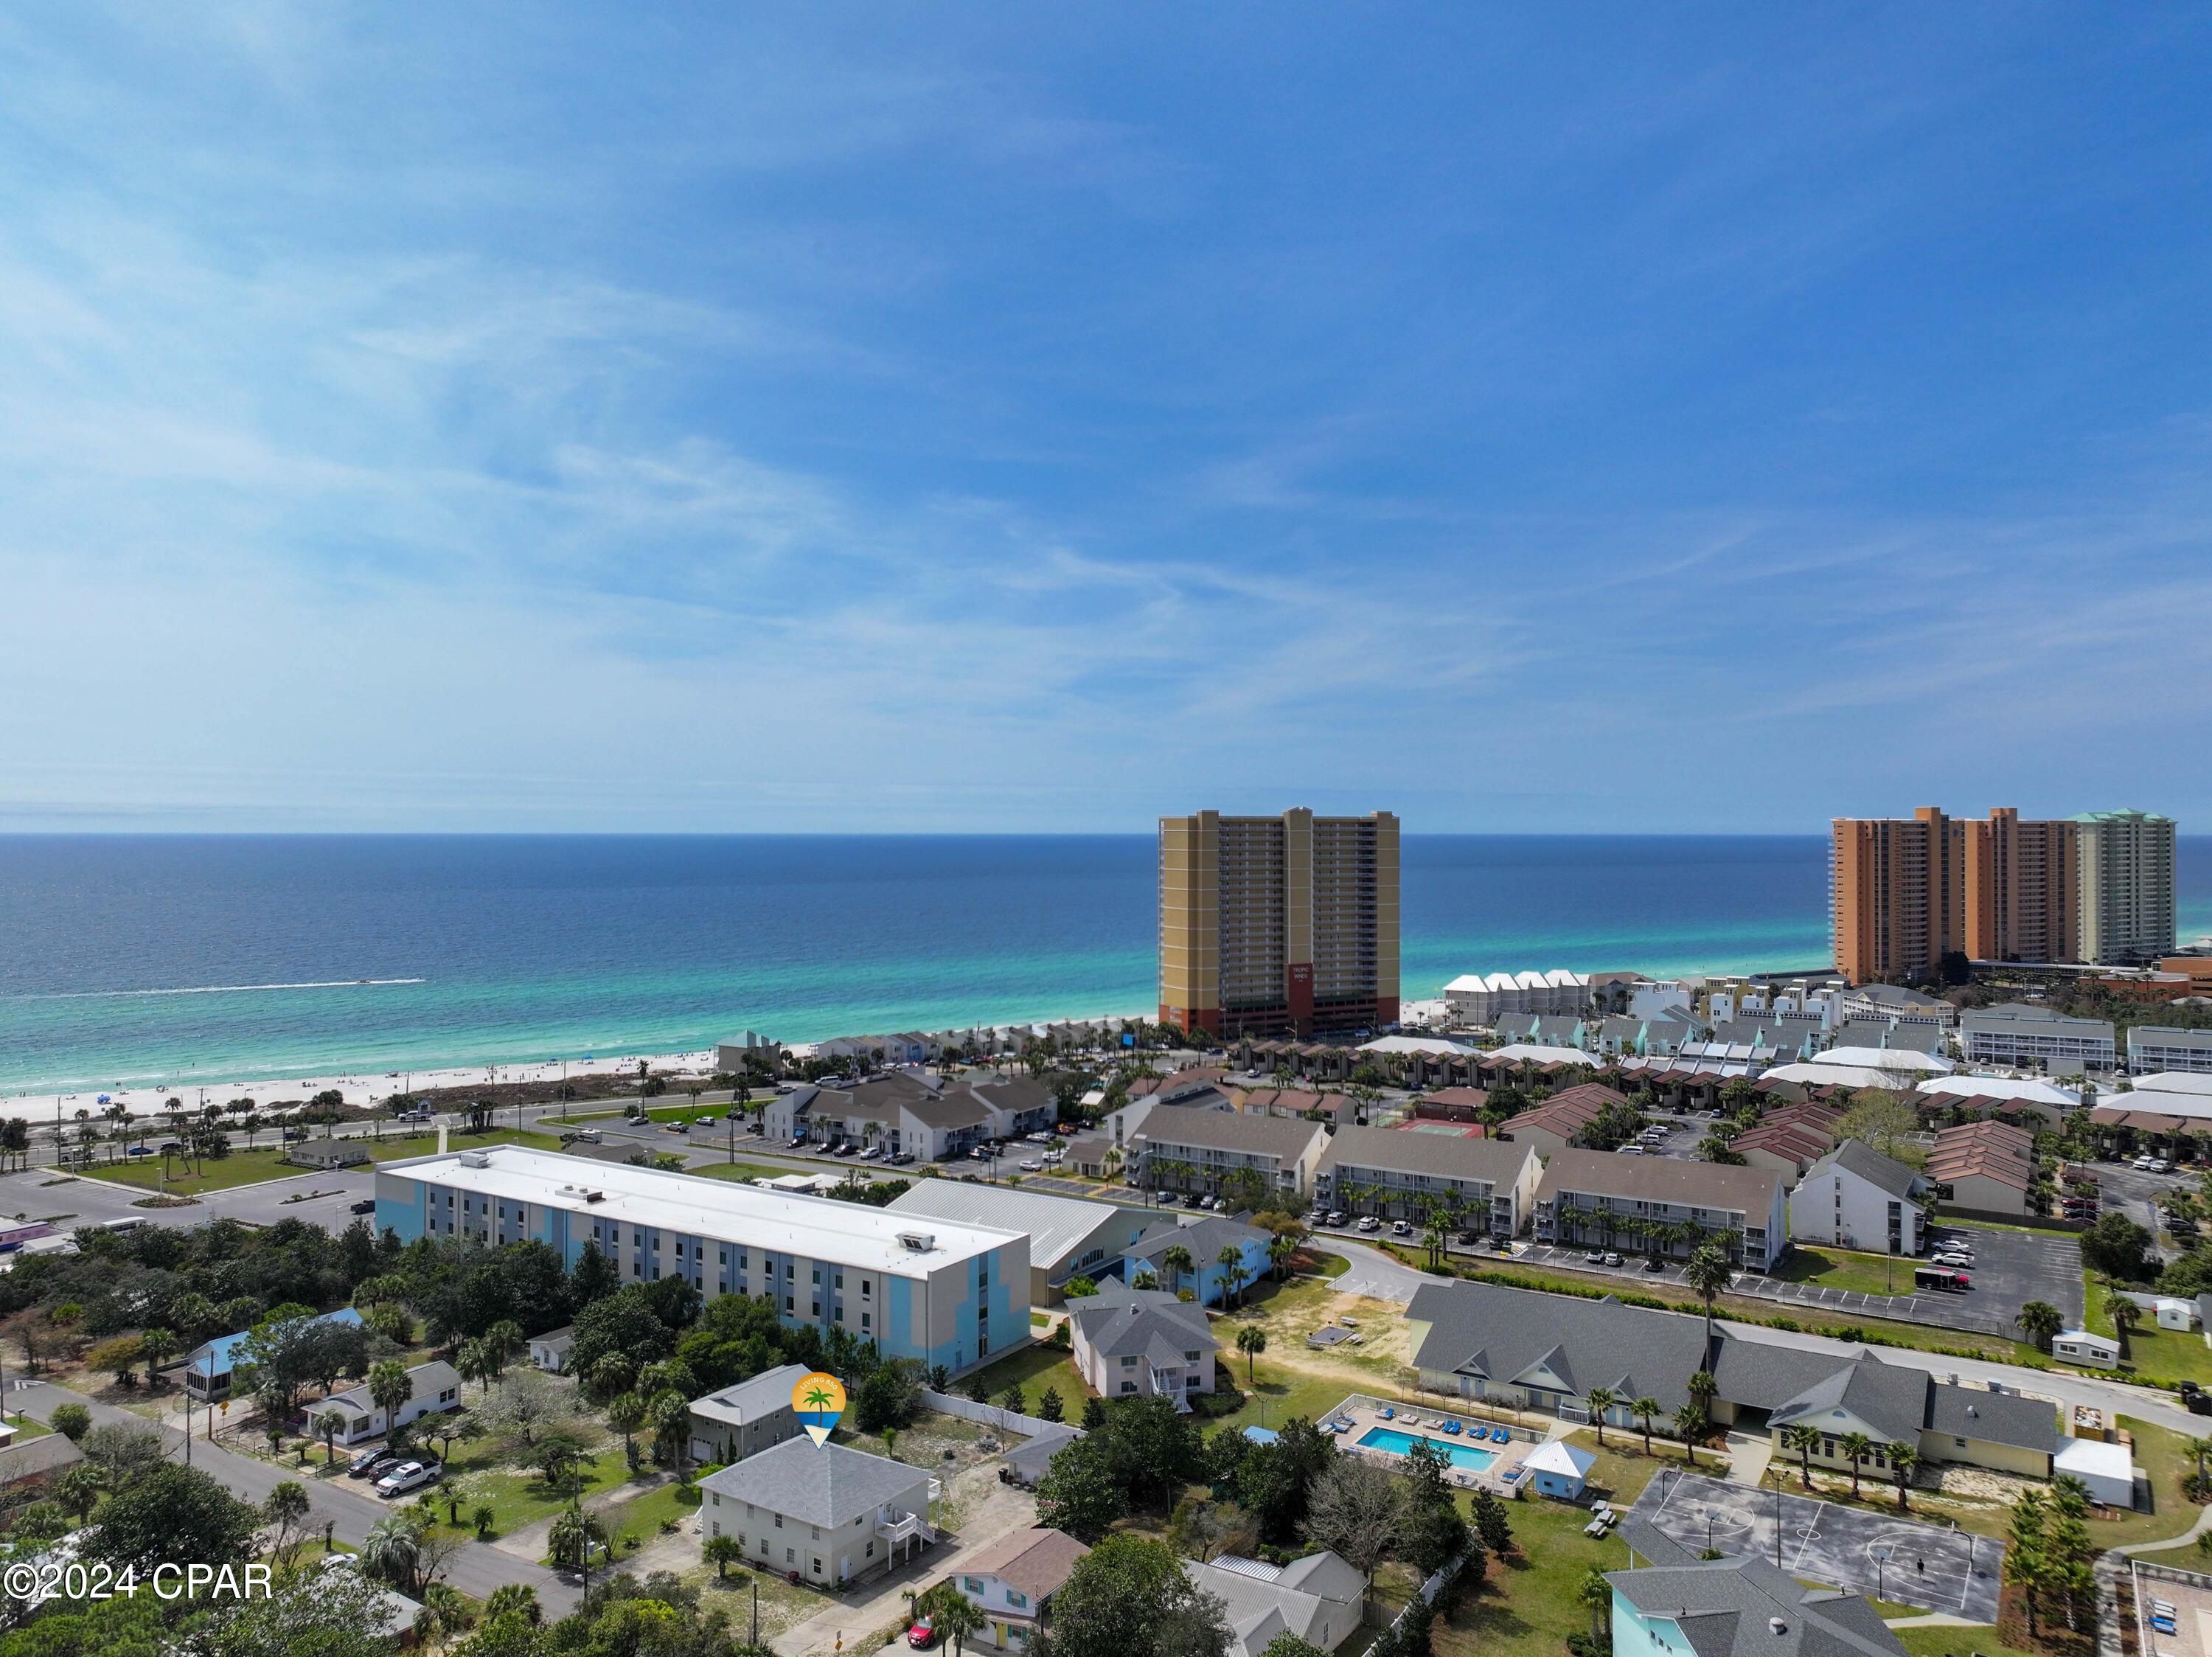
{"x":473,"y":1567}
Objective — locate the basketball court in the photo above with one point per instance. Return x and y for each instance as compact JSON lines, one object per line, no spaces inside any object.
{"x":1885,"y":1556}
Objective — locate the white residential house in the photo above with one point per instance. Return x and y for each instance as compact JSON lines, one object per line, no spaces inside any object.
{"x":1011,"y":1581}
{"x":1130,"y":1341}
{"x":437,"y":1387}
{"x":1856,"y":1197}
{"x":549,"y":1351}
{"x":831,"y":1514}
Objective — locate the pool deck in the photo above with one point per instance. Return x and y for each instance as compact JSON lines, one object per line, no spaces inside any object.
{"x":1503,"y":1476}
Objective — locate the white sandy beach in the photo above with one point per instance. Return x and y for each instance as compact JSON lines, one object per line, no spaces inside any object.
{"x":359,"y":1087}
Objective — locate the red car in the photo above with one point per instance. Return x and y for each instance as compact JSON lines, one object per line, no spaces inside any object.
{"x":921,"y":1636}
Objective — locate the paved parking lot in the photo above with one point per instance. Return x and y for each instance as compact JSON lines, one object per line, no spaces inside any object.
{"x":2012,"y":1268}
{"x":1934,"y":1567}
{"x":75,"y":1201}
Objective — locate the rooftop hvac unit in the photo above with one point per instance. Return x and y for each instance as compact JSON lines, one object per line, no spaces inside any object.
{"x":476,"y":1158}
{"x":920,"y":1241}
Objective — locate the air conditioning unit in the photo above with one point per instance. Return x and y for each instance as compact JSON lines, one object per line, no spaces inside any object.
{"x":476,"y":1158}
{"x":920,"y":1241}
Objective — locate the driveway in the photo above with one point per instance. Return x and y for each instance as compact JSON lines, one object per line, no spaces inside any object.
{"x":473,"y":1568}
{"x":2012,"y":1268}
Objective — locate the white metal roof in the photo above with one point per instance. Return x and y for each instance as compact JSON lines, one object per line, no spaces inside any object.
{"x":816,"y":1227}
{"x":1886,"y":1058}
{"x":2160,"y":1081}
{"x":2031,"y":1091}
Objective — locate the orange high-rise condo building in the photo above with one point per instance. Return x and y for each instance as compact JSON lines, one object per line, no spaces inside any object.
{"x":1275,"y":925}
{"x":1906,"y":892}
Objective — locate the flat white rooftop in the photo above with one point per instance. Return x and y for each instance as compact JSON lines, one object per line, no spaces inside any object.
{"x":728,"y":1210}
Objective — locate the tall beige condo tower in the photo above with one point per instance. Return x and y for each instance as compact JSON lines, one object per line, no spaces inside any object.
{"x":2126,"y":884}
{"x":1284,"y":923}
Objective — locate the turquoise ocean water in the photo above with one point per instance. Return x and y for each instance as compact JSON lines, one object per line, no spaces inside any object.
{"x":127,"y":960}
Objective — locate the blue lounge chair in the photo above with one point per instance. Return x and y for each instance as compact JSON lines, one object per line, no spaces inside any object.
{"x":1452,"y":1427}
{"x":1388,"y":1413}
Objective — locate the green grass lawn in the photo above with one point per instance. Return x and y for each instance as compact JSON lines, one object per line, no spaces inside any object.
{"x":519,"y":1496}
{"x":1526,"y":1604}
{"x":1034,"y":1368}
{"x":2153,"y":1353}
{"x":1977,"y":1641}
{"x":1327,"y":1265}
{"x":1836,"y":1268}
{"x":737,"y":1171}
{"x":247,"y":1167}
{"x":26,"y":1429}
{"x":641,"y":1516}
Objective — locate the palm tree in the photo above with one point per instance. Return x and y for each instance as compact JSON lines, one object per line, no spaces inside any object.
{"x":626,"y":1413}
{"x":2040,"y":1321}
{"x":392,"y":1551}
{"x":1596,"y":1595}
{"x":572,"y":1538}
{"x":1702,"y":1389}
{"x":1177,"y":1259}
{"x":390,"y":1387}
{"x":1804,"y":1438}
{"x":1231,"y":1262}
{"x":77,"y":1492}
{"x":1903,"y":1457}
{"x":1708,"y":1274}
{"x":2125,"y":1314}
{"x":1690,"y":1423}
{"x":721,"y":1552}
{"x":1643,"y":1409}
{"x":1598,"y":1400}
{"x":955,"y":1616}
{"x":1280,"y":1250}
{"x":2196,"y":1449}
{"x":1857,"y":1447}
{"x":1251,"y":1341}
{"x":329,"y":1423}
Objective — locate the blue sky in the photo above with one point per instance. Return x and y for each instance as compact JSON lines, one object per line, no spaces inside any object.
{"x":1043,"y":418}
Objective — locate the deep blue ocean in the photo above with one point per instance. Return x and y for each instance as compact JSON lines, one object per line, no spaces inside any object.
{"x":128,"y":960}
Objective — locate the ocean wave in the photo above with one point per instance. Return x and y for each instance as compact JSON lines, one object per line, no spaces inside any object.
{"x":218,"y":989}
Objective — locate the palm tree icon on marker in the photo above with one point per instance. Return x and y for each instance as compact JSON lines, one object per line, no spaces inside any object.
{"x":819,"y":1400}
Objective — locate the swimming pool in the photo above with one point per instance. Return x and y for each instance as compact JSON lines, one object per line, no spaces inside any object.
{"x":1461,"y":1455}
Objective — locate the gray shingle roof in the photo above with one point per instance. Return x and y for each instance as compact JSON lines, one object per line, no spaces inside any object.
{"x":1884,"y":1172}
{"x":1660,"y":1179}
{"x":1151,"y":1323}
{"x":1746,"y":1607}
{"x":1502,"y":1334}
{"x":1283,"y":1136}
{"x":1446,"y":1157}
{"x":749,"y":1401}
{"x":1204,"y":1238}
{"x":832,"y":1485}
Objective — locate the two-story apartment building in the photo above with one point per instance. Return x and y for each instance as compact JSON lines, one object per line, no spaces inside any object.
{"x":1398,"y":1173}
{"x":913,"y":1113}
{"x":1178,"y":1149}
{"x":943,"y":1292}
{"x":830,"y":1513}
{"x":1661,"y":1205}
{"x":1856,"y":1197}
{"x":2018,"y":1032}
